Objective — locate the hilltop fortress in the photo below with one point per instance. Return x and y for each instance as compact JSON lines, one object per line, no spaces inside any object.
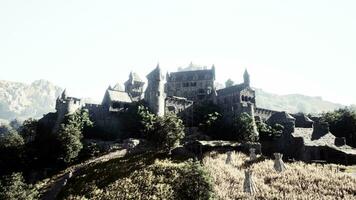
{"x":178,"y":92}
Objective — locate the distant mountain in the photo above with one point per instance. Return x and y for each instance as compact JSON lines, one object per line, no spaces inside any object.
{"x":294,"y":103}
{"x":19,"y":100}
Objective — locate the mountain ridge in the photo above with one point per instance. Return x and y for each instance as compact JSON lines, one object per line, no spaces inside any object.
{"x":21,"y":100}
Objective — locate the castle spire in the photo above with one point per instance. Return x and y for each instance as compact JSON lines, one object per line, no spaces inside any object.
{"x":246,"y":78}
{"x":213,"y":69}
{"x":64,"y":94}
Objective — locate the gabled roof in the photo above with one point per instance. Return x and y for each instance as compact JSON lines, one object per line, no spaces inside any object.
{"x":119,"y":96}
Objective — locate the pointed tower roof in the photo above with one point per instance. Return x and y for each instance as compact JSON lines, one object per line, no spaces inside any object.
{"x":246,"y":78}
{"x":156,"y":74}
{"x":64,"y":94}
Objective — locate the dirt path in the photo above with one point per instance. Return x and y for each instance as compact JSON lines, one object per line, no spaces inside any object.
{"x":57,"y":182}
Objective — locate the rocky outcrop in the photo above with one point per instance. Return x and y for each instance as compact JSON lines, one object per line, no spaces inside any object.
{"x":20,"y":100}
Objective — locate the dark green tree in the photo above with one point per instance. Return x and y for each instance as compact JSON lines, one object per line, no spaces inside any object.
{"x":11,"y":152}
{"x":342,"y":124}
{"x":28,"y":130}
{"x":70,"y":135}
{"x":243,"y":127}
{"x":267,"y":132}
{"x":165,"y":132}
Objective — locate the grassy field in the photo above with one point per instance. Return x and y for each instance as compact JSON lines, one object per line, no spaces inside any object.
{"x":299,"y":181}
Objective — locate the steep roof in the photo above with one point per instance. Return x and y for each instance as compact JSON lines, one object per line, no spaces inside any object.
{"x":231,"y":89}
{"x":119,"y":96}
{"x":135,"y":77}
{"x":155,"y":74}
{"x":280,"y":117}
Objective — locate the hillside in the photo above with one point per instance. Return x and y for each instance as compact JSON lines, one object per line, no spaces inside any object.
{"x":294,"y":103}
{"x":20,"y":100}
{"x":156,"y":176}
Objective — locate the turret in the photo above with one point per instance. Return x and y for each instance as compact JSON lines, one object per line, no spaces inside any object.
{"x":134,"y":86}
{"x":154,"y":94}
{"x":246,"y":78}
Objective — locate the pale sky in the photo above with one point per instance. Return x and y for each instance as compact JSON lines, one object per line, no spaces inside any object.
{"x":300,"y":46}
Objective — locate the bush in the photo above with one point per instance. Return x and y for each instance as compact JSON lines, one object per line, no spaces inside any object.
{"x":196,"y":183}
{"x":165,"y":132}
{"x":244,"y":128}
{"x":13,"y":187}
{"x":267,"y":132}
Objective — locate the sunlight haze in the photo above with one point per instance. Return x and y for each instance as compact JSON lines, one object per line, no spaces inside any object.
{"x":306,"y":47}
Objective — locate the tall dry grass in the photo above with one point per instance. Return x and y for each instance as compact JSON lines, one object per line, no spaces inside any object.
{"x":299,"y":181}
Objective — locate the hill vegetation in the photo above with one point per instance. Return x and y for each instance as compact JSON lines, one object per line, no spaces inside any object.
{"x":294,"y":103}
{"x":299,"y":181}
{"x":141,"y":176}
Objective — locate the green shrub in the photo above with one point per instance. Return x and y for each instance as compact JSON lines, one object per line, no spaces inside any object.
{"x":13,"y":187}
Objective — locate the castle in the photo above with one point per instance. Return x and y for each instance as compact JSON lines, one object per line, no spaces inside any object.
{"x":178,"y":92}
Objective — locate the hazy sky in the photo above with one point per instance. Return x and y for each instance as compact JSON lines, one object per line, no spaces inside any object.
{"x":300,"y":46}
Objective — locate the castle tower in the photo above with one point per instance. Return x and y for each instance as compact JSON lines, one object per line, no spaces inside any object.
{"x":246,"y":78}
{"x":154,"y":94}
{"x":65,"y":105}
{"x":134,"y":87}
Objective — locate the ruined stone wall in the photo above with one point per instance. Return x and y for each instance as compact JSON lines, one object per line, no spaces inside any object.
{"x":264,"y":114}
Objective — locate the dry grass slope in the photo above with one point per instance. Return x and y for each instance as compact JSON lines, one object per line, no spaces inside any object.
{"x":299,"y":181}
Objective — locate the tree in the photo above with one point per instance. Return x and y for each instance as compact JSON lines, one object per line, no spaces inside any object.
{"x":244,"y":128}
{"x":11,"y":152}
{"x":70,"y":135}
{"x":165,"y":132}
{"x":229,"y":83}
{"x":212,"y":124}
{"x":267,"y":132}
{"x":28,"y":130}
{"x":342,"y":124}
{"x":6,"y":129}
{"x":13,"y":187}
{"x":202,"y":111}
